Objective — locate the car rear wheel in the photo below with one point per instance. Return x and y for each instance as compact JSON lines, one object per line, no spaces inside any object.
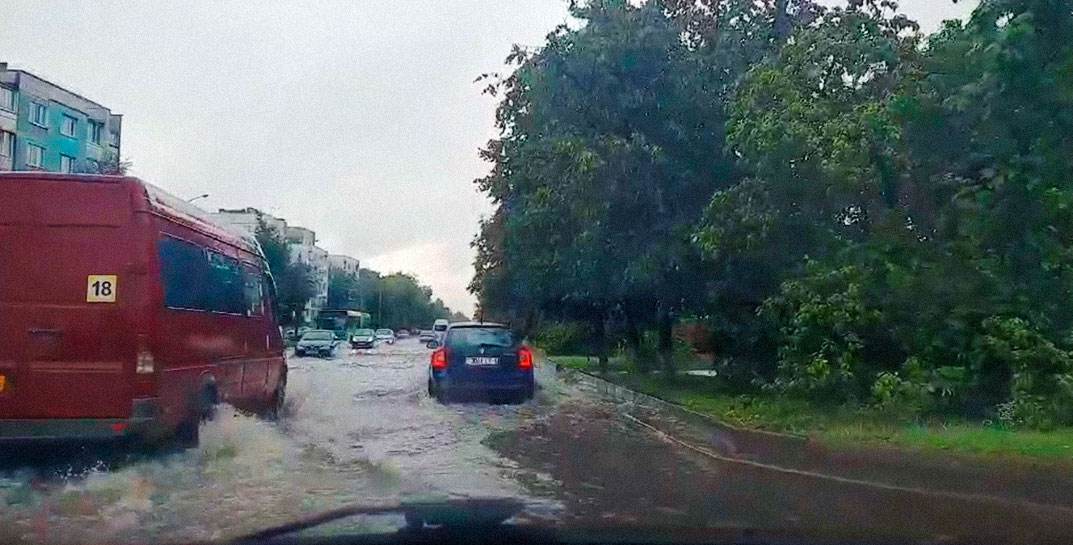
{"x":436,"y":392}
{"x":522,"y":397}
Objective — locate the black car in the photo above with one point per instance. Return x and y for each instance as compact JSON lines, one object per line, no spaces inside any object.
{"x":481,"y":359}
{"x":316,"y":342}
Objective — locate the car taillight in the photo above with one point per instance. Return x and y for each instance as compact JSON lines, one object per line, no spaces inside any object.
{"x":525,"y":358}
{"x":144,"y":364}
{"x":439,"y":358}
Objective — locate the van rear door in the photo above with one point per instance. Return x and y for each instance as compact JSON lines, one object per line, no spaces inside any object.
{"x":68,"y":248}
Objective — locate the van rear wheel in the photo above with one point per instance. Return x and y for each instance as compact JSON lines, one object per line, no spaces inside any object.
{"x":279,"y":399}
{"x":188,"y":433}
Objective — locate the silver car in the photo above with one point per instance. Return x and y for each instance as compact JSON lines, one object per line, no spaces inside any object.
{"x":385,"y":336}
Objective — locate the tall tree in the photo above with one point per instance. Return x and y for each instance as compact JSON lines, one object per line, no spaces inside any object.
{"x":612,"y":139}
{"x":343,"y":291}
{"x":294,"y":281}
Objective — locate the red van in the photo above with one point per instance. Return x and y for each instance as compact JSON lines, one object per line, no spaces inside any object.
{"x":126,"y":312}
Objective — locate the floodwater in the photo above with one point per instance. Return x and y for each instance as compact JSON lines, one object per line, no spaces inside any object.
{"x":360,"y":430}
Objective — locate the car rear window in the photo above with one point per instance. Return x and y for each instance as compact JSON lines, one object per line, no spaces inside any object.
{"x":318,"y":336}
{"x":480,"y":336}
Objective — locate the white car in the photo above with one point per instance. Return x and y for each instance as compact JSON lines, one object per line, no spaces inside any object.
{"x":385,"y":335}
{"x":439,"y":327}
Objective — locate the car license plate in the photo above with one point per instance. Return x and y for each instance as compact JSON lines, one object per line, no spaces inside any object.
{"x":482,"y":361}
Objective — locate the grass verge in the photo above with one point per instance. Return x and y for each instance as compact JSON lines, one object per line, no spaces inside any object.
{"x":845,"y":426}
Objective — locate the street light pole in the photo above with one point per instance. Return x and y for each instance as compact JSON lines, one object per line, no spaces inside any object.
{"x":202,"y":196}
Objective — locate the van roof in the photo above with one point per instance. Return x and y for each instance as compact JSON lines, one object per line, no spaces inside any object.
{"x":178,"y":209}
{"x":159,"y":200}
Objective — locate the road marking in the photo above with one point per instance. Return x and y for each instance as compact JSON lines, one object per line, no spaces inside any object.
{"x":963,"y":496}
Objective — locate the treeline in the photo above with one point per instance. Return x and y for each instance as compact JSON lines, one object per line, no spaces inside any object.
{"x":395,"y":301}
{"x":859,"y":213}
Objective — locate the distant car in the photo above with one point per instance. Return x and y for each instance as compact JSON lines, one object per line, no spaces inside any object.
{"x":363,"y":338}
{"x":439,"y":327}
{"x":426,"y":335}
{"x":402,"y":334}
{"x":316,"y":342}
{"x":483,"y":359}
{"x":385,"y":335}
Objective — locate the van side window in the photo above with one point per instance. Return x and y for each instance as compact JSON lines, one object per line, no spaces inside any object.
{"x":225,"y":288}
{"x":199,"y":279}
{"x":184,"y":272}
{"x":254,"y":292}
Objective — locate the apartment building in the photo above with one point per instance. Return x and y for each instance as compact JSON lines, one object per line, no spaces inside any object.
{"x":343,"y":264}
{"x":46,"y":127}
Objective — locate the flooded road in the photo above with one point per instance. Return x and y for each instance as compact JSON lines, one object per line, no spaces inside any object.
{"x":360,"y":429}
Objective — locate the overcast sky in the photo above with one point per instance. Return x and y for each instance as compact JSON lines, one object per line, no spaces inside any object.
{"x":359,"y":120}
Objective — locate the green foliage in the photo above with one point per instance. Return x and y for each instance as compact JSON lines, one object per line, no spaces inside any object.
{"x":561,"y":338}
{"x":862,"y":214}
{"x":823,"y":322}
{"x":1039,"y":373}
{"x":343,"y":291}
{"x":611,"y":142}
{"x":397,"y":300}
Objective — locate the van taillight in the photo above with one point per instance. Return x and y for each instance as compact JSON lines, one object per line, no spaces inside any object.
{"x":525,"y":358}
{"x":145,"y":364}
{"x":439,"y":359}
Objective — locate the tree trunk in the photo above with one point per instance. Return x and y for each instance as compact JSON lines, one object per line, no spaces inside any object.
{"x":633,"y":343}
{"x":666,"y":342}
{"x":599,"y":328}
{"x":782,"y":21}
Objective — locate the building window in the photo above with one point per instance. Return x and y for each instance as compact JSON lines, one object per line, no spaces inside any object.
{"x":35,"y":155}
{"x":95,"y":130}
{"x":38,"y":114}
{"x":67,"y":164}
{"x":114,"y":138}
{"x":7,"y":99}
{"x":7,"y":144}
{"x":69,"y":126}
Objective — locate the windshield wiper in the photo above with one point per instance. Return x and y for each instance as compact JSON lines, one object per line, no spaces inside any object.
{"x":455,"y":513}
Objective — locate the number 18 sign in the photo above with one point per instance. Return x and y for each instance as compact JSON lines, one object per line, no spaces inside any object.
{"x":101,"y":288}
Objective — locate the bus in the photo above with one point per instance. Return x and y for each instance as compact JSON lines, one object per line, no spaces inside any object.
{"x":127,"y":313}
{"x":343,"y":322}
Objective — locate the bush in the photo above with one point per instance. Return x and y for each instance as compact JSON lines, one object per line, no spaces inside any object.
{"x":893,"y":394}
{"x":1039,"y":373}
{"x":822,"y":322}
{"x":563,"y":338}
